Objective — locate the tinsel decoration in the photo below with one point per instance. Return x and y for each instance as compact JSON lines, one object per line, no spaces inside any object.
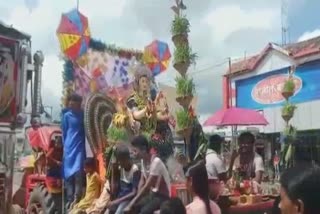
{"x":68,"y":78}
{"x":114,"y":50}
{"x":68,"y":71}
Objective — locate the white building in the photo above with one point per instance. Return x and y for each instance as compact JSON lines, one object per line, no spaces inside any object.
{"x":256,"y":83}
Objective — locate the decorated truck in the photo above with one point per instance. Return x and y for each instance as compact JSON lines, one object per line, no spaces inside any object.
{"x":17,"y":69}
{"x":121,"y":97}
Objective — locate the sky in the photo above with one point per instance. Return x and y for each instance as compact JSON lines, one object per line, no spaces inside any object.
{"x":219,"y":29}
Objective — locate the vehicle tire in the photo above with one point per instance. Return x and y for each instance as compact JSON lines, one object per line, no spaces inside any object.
{"x":41,"y":201}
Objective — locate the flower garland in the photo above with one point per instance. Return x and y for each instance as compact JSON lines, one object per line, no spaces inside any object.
{"x":150,"y":124}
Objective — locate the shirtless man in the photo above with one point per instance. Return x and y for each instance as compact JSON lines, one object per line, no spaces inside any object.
{"x":248,"y":162}
{"x":155,"y":180}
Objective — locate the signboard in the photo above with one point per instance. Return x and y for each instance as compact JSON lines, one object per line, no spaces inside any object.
{"x":268,"y":91}
{"x":8,"y":79}
{"x":264,"y":91}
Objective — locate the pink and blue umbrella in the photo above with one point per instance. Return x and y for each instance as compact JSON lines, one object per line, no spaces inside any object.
{"x":157,"y":57}
{"x":74,"y":34}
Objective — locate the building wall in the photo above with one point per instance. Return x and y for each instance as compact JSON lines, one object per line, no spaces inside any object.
{"x":307,"y":114}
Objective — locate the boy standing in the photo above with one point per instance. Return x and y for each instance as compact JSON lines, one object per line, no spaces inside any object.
{"x":155,"y":179}
{"x":73,"y":148}
{"x":129,"y":180}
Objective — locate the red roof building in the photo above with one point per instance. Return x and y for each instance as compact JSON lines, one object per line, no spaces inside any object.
{"x":258,"y":75}
{"x":297,"y":51}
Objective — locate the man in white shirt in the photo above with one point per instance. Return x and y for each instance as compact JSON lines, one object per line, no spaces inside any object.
{"x":155,"y":179}
{"x":215,"y":166}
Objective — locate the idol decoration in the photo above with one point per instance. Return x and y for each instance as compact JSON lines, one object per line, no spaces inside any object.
{"x":148,"y":112}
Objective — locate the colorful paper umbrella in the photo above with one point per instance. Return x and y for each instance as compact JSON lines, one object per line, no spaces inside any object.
{"x":73,"y":33}
{"x":156,"y":56}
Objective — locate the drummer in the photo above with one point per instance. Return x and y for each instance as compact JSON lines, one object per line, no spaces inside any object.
{"x":247,"y":161}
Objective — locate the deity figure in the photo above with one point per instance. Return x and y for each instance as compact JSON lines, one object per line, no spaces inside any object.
{"x":149,"y":110}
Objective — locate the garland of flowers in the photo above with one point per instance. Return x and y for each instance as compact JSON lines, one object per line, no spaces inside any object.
{"x":68,"y":77}
{"x":150,"y":123}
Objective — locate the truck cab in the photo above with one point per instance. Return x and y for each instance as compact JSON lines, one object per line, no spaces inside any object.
{"x":17,"y":69}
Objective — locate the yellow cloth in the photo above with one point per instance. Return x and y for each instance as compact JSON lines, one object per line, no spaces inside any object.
{"x":100,"y":204}
{"x":6,"y":96}
{"x":92,"y":192}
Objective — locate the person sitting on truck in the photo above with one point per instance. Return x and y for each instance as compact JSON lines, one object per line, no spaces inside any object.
{"x":156,"y":180}
{"x":40,"y":160}
{"x":92,"y":189}
{"x":54,"y":158}
{"x":129,"y":180}
{"x":99,"y":205}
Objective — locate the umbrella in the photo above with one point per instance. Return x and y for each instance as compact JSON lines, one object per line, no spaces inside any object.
{"x":156,"y":56}
{"x":73,"y":33}
{"x":236,"y":116}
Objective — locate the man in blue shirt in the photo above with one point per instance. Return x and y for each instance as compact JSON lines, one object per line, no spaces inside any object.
{"x":73,"y":148}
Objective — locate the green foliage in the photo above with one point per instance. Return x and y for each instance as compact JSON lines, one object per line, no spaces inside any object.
{"x":147,"y":135}
{"x":183,"y":53}
{"x":288,"y":109}
{"x":185,"y":86}
{"x":117,"y":134}
{"x":184,"y":120}
{"x":290,"y":132}
{"x":289,"y":155}
{"x":201,"y":151}
{"x":109,"y":155}
{"x":289,"y":86}
{"x":180,"y":25}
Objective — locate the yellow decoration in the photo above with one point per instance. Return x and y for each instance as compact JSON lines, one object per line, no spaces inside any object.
{"x":87,"y":32}
{"x":166,"y":63}
{"x":68,"y":40}
{"x":83,"y":60}
{"x":93,"y":86}
{"x":149,"y":57}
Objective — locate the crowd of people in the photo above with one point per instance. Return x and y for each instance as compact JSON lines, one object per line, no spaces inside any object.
{"x":145,"y":187}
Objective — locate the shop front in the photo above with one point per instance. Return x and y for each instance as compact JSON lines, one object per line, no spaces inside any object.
{"x":263,"y":93}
